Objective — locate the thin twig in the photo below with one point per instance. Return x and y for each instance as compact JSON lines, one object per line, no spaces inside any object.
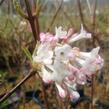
{"x":83,"y":21}
{"x":55,"y":15}
{"x":44,"y":93}
{"x":36,"y":37}
{"x":31,"y":19}
{"x":94,"y":16}
{"x":89,"y":7}
{"x":9,"y":93}
{"x":93,"y":43}
{"x":95,"y":38}
{"x":81,"y":14}
{"x":68,"y":17}
{"x":92,"y":92}
{"x":67,"y":102}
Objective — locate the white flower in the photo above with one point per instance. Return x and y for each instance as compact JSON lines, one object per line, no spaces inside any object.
{"x":80,"y":61}
{"x":81,"y":35}
{"x":60,"y":33}
{"x":92,"y":54}
{"x":62,"y":52}
{"x":74,"y":95}
{"x":48,"y":74}
{"x":63,"y":65}
{"x":90,"y":62}
{"x":70,"y":85}
{"x":61,"y":69}
{"x":81,"y":78}
{"x":56,"y":72}
{"x":84,"y":58}
{"x":62,"y":91}
{"x":43,"y":54}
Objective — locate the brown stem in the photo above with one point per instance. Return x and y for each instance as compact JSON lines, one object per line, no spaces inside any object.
{"x":92,"y":92}
{"x":32,"y":21}
{"x":94,"y":15}
{"x":35,"y":30}
{"x":9,"y":93}
{"x":37,"y":27}
{"x":93,"y":20}
{"x":81,"y":14}
{"x":94,"y":23}
{"x":44,"y":93}
{"x":67,"y":102}
{"x":95,"y":38}
{"x":93,"y":44}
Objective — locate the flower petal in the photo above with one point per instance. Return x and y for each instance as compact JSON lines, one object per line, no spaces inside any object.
{"x":60,"y":33}
{"x":81,"y":35}
{"x":74,"y":96}
{"x":44,"y":54}
{"x":61,"y":91}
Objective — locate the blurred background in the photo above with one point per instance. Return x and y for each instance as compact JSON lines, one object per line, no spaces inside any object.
{"x":16,"y":34}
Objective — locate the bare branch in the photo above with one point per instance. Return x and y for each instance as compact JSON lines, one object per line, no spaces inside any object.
{"x":44,"y":93}
{"x":95,"y":38}
{"x":19,"y":10}
{"x":68,"y":17}
{"x":81,"y":13}
{"x":55,"y":15}
{"x":8,"y":94}
{"x":93,"y":21}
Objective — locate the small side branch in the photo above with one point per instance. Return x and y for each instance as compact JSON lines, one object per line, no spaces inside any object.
{"x":8,"y":94}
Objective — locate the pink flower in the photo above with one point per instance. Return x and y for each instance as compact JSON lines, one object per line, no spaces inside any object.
{"x":74,"y":96}
{"x":43,"y":54}
{"x":62,"y":91}
{"x":49,"y":39}
{"x":60,"y":34}
{"x":81,"y":35}
{"x":64,"y":65}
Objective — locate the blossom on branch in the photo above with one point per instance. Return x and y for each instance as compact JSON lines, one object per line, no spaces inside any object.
{"x":64,"y":65}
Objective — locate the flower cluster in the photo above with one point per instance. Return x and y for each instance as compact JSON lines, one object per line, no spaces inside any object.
{"x":64,"y":65}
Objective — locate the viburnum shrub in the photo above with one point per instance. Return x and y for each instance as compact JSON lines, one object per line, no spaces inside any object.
{"x":64,"y":65}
